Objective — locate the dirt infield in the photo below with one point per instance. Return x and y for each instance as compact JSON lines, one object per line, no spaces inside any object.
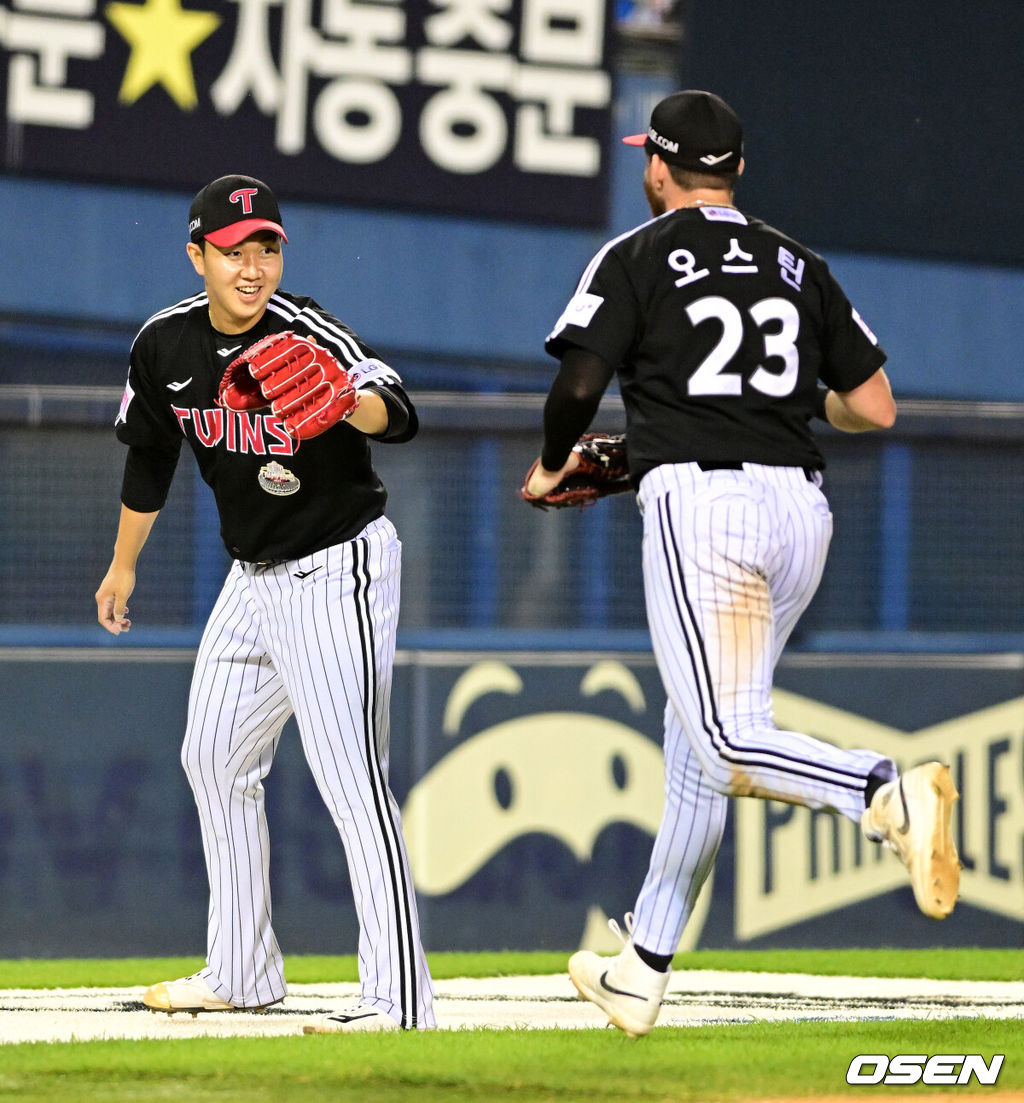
{"x":694,"y":998}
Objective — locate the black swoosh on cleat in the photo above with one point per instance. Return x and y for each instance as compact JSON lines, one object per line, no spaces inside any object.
{"x":352,"y":1018}
{"x":906,"y":811}
{"x":619,"y":991}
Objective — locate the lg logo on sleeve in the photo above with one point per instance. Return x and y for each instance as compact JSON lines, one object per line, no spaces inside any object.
{"x":909,"y":1068}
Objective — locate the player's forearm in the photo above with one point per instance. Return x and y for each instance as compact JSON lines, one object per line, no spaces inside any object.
{"x":839,"y":417}
{"x":116,"y":588}
{"x":869,"y":406}
{"x":563,"y":426}
{"x":132,"y":533}
{"x":371,"y":415}
{"x":571,"y":404}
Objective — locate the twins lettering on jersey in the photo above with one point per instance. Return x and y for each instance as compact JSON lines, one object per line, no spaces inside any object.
{"x":260,"y":434}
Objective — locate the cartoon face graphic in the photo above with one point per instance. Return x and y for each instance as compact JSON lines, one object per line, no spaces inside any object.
{"x":565,"y":774}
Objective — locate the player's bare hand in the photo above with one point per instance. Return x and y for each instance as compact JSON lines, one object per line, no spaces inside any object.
{"x":112,"y":600}
{"x":542,"y":480}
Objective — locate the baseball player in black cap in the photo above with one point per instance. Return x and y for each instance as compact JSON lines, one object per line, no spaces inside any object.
{"x":720,"y":329}
{"x":305,"y":623}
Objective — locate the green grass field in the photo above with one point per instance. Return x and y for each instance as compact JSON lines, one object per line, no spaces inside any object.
{"x":803,"y":1060}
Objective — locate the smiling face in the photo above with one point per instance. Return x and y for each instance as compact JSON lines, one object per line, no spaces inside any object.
{"x":239,"y":279}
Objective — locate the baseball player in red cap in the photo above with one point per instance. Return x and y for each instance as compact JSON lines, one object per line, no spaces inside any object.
{"x":305,"y":623}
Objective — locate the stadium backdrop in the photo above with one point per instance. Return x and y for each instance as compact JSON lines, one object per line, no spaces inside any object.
{"x":507,"y":112}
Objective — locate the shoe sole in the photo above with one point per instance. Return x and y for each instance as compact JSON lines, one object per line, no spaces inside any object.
{"x":630,"y":1027}
{"x":935,"y":865}
{"x":196,"y":1011}
{"x":312,"y":1029}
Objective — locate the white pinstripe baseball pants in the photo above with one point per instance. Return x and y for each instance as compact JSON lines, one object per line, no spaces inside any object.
{"x":321,"y":646}
{"x":731,"y":559}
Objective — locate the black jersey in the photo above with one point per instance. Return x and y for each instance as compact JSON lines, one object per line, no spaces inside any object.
{"x":719,"y":328}
{"x":276,"y":500}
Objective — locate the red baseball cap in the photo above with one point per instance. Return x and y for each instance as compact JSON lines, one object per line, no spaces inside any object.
{"x":231,"y":208}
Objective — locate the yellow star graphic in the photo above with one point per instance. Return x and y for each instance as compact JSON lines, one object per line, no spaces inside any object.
{"x":162,"y":36}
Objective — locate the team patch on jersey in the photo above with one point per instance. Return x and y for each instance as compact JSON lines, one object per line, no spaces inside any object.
{"x":278,"y":480}
{"x":372,"y":371}
{"x":723,"y":214}
{"x":126,"y":401}
{"x":579,"y":312}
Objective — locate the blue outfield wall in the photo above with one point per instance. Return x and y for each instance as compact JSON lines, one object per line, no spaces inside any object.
{"x":530,"y":783}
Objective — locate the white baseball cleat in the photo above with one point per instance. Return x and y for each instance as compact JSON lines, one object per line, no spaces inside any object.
{"x":191,"y":994}
{"x":911,"y":815}
{"x":352,"y":1020}
{"x":626,"y":989}
{"x":187,"y":994}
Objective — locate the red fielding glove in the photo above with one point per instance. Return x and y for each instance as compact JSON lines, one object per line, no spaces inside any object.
{"x":305,"y":385}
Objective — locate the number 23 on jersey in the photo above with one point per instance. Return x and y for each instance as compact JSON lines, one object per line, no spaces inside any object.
{"x":778,"y":321}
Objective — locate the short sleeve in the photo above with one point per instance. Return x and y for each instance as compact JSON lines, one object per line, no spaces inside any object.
{"x":142,"y":420}
{"x":603,"y":316}
{"x":851,"y":352}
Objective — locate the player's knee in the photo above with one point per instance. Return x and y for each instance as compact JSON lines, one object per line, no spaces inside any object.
{"x":190,"y":759}
{"x":199,"y":758}
{"x":725,"y":767}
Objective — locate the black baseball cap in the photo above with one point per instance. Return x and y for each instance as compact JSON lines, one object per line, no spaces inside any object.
{"x":694,"y":130}
{"x":231,"y":208}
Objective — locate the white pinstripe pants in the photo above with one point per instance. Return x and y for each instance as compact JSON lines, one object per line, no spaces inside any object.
{"x":731,"y":559}
{"x":323,"y":647}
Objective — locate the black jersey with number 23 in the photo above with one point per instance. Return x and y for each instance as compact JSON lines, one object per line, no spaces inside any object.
{"x":720,"y":328}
